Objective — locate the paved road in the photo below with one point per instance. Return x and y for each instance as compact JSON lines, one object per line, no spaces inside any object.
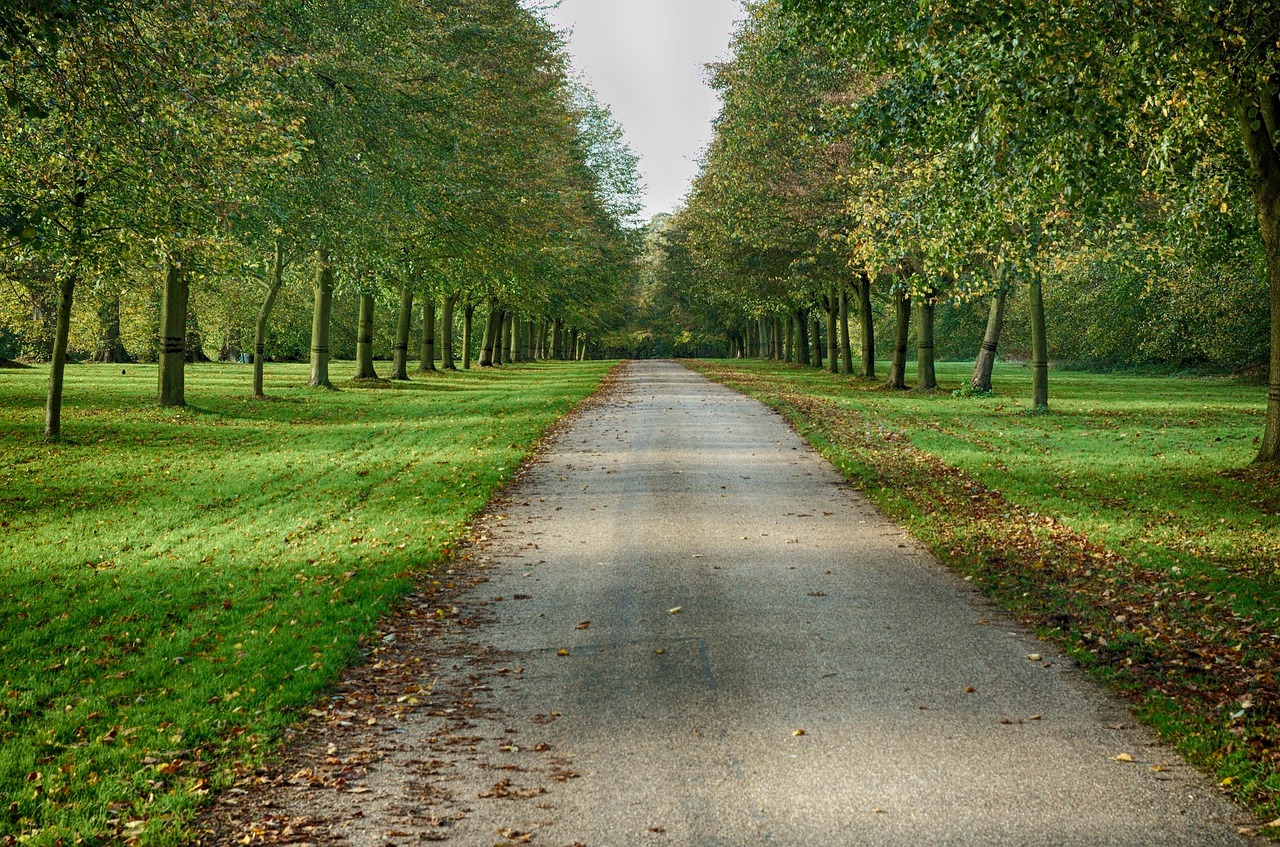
{"x":738,"y":593}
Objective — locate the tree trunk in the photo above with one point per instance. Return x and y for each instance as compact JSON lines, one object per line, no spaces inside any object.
{"x":1264,"y":153}
{"x":512,"y":337}
{"x":1039,"y":349}
{"x":802,"y":337}
{"x":427,"y":350}
{"x":364,"y":340}
{"x":775,"y":326}
{"x":320,"y":313}
{"x":902,"y":331}
{"x":789,"y":341}
{"x":193,"y":348}
{"x":264,"y":314}
{"x":986,"y":360}
{"x":446,"y":333}
{"x":927,"y":376}
{"x":404,"y":325}
{"x":833,"y":331}
{"x":846,"y":343}
{"x":171,"y":374}
{"x":468,"y":322}
{"x":815,"y":333}
{"x":573,"y":345}
{"x":867,"y":323}
{"x":492,"y":329}
{"x":502,"y":337}
{"x":58,"y":362}
{"x":110,"y":347}
{"x":556,"y":332}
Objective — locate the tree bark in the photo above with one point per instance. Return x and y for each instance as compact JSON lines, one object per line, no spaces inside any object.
{"x":833,"y":331}
{"x":320,"y":314}
{"x":427,"y":350}
{"x":902,"y":331}
{"x":110,"y":347}
{"x":556,"y":334}
{"x":927,"y":375}
{"x":446,"y":333}
{"x":985,"y":363}
{"x":1039,"y":348}
{"x":802,"y":337}
{"x":264,"y":314}
{"x":775,"y":328}
{"x":404,"y":324}
{"x":867,"y":323}
{"x":789,"y":340}
{"x":511,"y":336}
{"x":815,"y":333}
{"x":194,"y":339}
{"x":492,"y":329}
{"x":364,"y":340}
{"x":1264,"y":154}
{"x":62,"y":323}
{"x":468,"y":322}
{"x":846,"y":343}
{"x":171,"y":374}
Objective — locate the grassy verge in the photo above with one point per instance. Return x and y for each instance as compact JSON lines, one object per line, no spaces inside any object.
{"x":177,"y":585}
{"x":1126,"y":525}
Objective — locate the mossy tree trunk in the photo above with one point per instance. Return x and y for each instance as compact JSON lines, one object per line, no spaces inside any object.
{"x":446,"y":333}
{"x":1263,"y":144}
{"x":364,"y":340}
{"x":901,"y":335}
{"x":1039,"y":348}
{"x":927,"y":375}
{"x":427,"y":349}
{"x":986,"y":360}
{"x":321,"y":310}
{"x":171,"y":374}
{"x":264,"y":314}
{"x":867,"y":324}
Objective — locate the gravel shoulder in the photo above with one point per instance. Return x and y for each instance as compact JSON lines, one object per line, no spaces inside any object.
{"x":682,"y":627}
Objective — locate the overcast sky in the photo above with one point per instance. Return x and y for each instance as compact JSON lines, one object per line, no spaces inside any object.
{"x":645,"y":59}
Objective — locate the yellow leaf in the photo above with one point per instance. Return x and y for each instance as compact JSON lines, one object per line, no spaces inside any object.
{"x":1124,"y":757}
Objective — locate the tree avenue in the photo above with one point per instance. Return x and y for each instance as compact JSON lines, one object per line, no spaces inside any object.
{"x":1095,"y":178}
{"x":171,"y":171}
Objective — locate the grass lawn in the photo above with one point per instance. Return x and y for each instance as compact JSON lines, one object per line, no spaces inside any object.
{"x":1127,"y":525}
{"x":178,"y":585}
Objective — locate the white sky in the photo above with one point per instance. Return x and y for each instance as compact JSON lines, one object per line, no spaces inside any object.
{"x":644,"y":59}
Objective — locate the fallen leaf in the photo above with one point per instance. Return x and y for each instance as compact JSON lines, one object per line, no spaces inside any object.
{"x":562,"y":652}
{"x":1124,"y":757}
{"x":798,"y":732}
{"x":677,"y":610}
{"x":583,"y":625}
{"x":1034,"y":657}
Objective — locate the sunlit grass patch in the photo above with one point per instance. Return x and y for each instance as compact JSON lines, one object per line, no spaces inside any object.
{"x":178,"y":584}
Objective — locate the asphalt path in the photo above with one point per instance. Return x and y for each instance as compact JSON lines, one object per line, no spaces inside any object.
{"x":690,"y":631}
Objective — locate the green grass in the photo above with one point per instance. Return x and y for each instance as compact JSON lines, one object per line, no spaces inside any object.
{"x":1127,"y":524}
{"x":180,"y":585}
